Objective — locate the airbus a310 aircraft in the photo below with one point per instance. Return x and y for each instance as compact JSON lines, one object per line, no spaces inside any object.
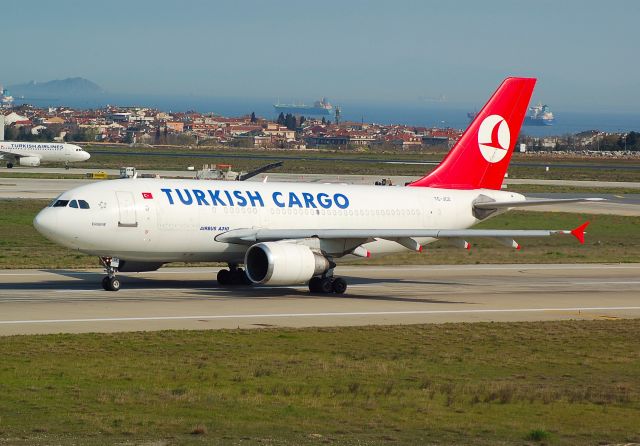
{"x":32,"y":154}
{"x":291,"y":233}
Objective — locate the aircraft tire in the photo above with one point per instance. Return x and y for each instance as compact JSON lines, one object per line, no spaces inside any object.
{"x":224,"y":277}
{"x":9,"y":165}
{"x":114,"y":284}
{"x":314,"y":285}
{"x":105,"y":283}
{"x":339,"y":285}
{"x":325,"y":285}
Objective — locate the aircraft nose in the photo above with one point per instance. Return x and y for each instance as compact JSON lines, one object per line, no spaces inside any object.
{"x":85,"y":155}
{"x":45,"y":222}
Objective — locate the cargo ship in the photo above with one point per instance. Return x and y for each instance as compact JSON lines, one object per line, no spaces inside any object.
{"x":319,"y":108}
{"x":539,"y":115}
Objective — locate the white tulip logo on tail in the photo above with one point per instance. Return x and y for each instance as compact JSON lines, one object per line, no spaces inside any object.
{"x":494,"y":138}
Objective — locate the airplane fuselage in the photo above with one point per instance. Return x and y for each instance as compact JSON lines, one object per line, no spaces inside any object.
{"x":161,"y":220}
{"x":34,"y":153}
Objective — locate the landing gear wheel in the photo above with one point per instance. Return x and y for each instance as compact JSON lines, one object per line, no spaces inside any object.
{"x":234,"y":276}
{"x":325,"y":285}
{"x":9,"y":165}
{"x":339,"y":285}
{"x":113,"y":284}
{"x":314,"y":285}
{"x":224,"y":277}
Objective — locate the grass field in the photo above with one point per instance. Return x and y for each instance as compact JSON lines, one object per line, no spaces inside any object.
{"x":557,"y":383}
{"x":610,"y":238}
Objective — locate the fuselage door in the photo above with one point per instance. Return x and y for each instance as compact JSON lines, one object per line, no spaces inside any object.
{"x":127,"y":207}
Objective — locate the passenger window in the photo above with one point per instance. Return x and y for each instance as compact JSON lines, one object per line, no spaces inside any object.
{"x":60,"y":203}
{"x":73,"y":204}
{"x":83,"y":204}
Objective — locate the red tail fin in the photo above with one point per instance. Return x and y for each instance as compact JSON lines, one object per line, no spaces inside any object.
{"x":481,"y":157}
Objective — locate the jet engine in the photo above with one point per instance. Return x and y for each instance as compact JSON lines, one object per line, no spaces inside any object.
{"x":281,"y":263}
{"x":29,"y":161}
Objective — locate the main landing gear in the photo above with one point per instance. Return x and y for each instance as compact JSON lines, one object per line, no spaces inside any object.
{"x":111,"y":282}
{"x":233,"y":276}
{"x":327,"y":285}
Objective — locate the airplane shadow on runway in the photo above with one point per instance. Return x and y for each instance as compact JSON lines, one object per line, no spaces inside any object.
{"x":203,"y":289}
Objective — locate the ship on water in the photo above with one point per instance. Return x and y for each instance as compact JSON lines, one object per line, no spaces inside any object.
{"x":319,"y":108}
{"x":5,"y":98}
{"x":539,"y":115}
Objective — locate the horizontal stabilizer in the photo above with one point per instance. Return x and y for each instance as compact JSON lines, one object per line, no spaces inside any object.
{"x":531,"y":202}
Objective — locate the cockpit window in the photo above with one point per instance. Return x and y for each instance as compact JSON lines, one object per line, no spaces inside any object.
{"x":60,"y":203}
{"x":83,"y":204}
{"x":73,"y":204}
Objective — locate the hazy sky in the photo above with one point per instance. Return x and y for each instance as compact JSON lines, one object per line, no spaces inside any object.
{"x":585,"y":53}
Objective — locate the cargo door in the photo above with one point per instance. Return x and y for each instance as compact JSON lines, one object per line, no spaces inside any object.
{"x":127,"y":217}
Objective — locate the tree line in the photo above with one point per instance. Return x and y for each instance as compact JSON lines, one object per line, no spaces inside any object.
{"x":290,"y":121}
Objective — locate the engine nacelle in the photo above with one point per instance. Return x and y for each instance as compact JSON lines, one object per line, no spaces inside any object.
{"x":128,"y":266}
{"x":281,"y":263}
{"x":29,"y":161}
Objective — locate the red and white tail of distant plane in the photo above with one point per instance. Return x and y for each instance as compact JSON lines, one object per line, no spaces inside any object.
{"x":291,"y":233}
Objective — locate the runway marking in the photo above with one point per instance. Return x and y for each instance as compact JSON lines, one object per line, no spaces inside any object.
{"x":290,"y":315}
{"x":629,"y":282}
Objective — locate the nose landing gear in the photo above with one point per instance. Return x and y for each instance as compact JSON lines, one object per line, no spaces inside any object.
{"x":111,"y":282}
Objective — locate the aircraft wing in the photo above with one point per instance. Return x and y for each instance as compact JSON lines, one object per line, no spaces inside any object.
{"x":16,"y":155}
{"x":251,"y":236}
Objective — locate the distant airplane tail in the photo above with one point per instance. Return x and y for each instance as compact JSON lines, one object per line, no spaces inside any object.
{"x":481,"y":157}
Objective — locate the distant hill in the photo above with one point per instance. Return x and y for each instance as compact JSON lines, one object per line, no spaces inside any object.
{"x":57,"y":89}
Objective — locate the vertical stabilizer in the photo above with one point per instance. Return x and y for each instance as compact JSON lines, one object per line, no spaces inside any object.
{"x":481,"y":157}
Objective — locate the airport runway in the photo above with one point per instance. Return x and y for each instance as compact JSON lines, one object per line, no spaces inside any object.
{"x":41,"y":301}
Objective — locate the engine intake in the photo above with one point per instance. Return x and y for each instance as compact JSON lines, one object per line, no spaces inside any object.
{"x":281,"y":263}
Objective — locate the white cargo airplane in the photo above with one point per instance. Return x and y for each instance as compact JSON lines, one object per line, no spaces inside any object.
{"x":291,"y":233}
{"x":32,"y":154}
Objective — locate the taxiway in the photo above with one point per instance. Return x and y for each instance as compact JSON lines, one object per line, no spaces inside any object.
{"x":52,"y":301}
